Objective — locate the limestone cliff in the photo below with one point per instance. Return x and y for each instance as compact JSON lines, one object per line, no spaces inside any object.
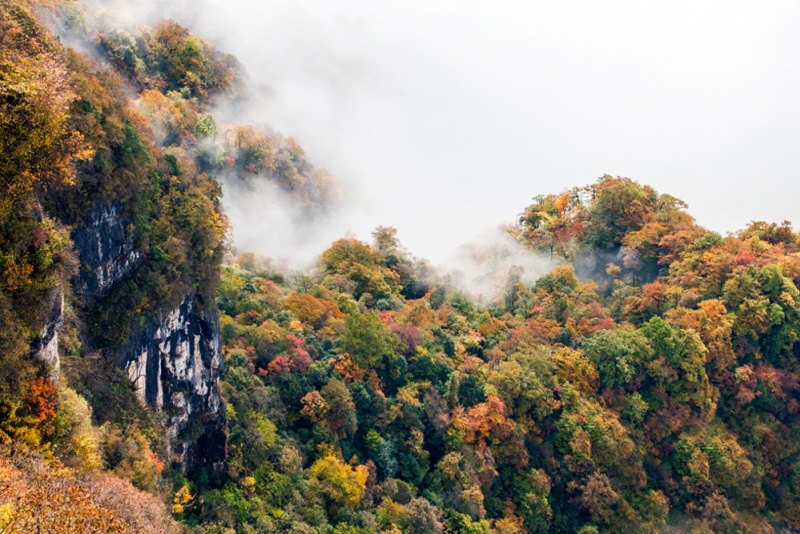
{"x":107,"y":249}
{"x":174,"y":362}
{"x":172,"y":358}
{"x":45,"y":348}
{"x":84,"y":178}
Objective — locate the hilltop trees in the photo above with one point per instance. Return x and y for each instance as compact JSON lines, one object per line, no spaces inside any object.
{"x":169,"y":58}
{"x":552,"y":222}
{"x":618,"y":215}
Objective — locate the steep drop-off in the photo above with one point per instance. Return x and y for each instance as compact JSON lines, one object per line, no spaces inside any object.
{"x":107,"y":251}
{"x":174,"y":363}
{"x":99,"y":222}
{"x":172,"y":356}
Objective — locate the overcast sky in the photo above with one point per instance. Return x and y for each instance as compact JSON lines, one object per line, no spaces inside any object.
{"x":443,"y":118}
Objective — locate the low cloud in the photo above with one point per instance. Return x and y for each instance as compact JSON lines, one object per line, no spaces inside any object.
{"x":485,"y":267}
{"x":444,"y":118}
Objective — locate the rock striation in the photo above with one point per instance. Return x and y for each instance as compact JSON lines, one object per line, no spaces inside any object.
{"x":106,"y":245}
{"x":173,"y":359}
{"x":174,"y":363}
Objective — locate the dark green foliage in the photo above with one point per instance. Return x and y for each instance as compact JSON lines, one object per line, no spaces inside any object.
{"x":620,"y":355}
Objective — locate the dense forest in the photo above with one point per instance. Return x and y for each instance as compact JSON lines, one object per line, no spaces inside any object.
{"x":655,"y":392}
{"x":647,"y":383}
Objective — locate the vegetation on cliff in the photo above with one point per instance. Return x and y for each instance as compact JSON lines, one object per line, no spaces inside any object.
{"x":70,"y":142}
{"x":77,"y":154}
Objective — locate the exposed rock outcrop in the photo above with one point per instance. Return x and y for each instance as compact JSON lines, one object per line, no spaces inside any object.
{"x":107,"y":249}
{"x":173,"y":359}
{"x":174,"y":362}
{"x":45,"y":348}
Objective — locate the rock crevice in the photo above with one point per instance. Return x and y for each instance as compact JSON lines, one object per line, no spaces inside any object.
{"x":45,"y":347}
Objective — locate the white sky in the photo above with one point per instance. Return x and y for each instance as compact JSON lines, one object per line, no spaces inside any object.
{"x":443,"y":118}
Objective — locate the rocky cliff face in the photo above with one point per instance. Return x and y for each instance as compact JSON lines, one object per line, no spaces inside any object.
{"x":172,"y":359}
{"x":174,"y":362}
{"x":45,"y":348}
{"x":107,"y":249}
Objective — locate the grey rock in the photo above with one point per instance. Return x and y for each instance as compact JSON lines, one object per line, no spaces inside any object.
{"x":174,"y":362}
{"x":173,"y":359}
{"x":45,"y":347}
{"x":107,"y":249}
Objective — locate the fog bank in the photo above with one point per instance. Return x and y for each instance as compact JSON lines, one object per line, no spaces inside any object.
{"x":444,"y":118}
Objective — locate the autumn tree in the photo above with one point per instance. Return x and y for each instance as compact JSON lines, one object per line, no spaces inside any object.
{"x":368,"y":341}
{"x":340,"y":414}
{"x":339,"y":483}
{"x":551,"y":223}
{"x":361,"y":264}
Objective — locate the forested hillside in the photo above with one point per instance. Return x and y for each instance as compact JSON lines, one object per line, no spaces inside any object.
{"x":111,"y":240}
{"x":655,"y":391}
{"x":647,"y":383}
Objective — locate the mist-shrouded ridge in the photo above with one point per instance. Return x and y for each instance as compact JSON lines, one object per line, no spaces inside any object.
{"x":444,"y":118}
{"x":266,"y":219}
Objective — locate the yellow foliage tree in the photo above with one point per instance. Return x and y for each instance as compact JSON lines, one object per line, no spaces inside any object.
{"x":338,"y":481}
